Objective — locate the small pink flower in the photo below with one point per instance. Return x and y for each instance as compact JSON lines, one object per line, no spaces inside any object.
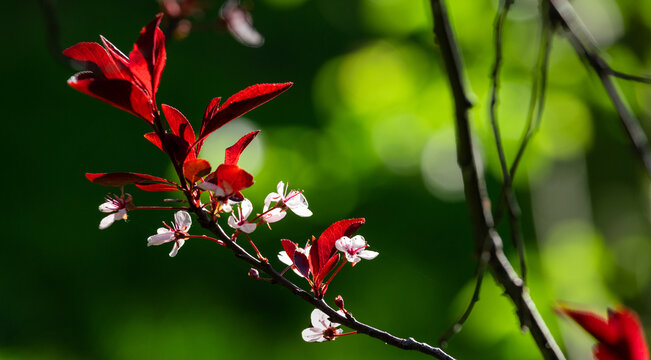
{"x":239,"y":222}
{"x":273,"y":215}
{"x":177,"y":232}
{"x":355,"y":249}
{"x":294,"y":201}
{"x":117,"y":206}
{"x":323,"y":329}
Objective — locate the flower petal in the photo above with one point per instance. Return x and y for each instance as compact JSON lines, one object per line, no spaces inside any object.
{"x":160,"y":238}
{"x":313,"y":335}
{"x":176,"y":247}
{"x":107,"y":221}
{"x":368,"y":254}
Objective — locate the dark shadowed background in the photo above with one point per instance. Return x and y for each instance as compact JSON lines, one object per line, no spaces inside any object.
{"x":366,"y":131}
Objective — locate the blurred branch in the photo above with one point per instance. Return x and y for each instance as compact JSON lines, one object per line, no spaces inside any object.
{"x":475,"y":190}
{"x":53,"y":34}
{"x":585,"y":47}
{"x":509,"y":195}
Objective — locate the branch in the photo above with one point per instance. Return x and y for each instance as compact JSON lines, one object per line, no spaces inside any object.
{"x":477,"y":199}
{"x":509,"y":195}
{"x":585,"y":47}
{"x":348,"y":320}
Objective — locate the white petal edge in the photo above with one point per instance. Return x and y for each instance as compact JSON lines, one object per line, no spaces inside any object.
{"x":176,"y":247}
{"x":313,"y":335}
{"x":160,"y":238}
{"x":183,"y":220}
{"x":106,"y":221}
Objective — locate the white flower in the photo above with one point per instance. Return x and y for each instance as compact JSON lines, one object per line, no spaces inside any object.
{"x":323,"y":329}
{"x":294,"y":201}
{"x":177,"y":232}
{"x":273,"y":215}
{"x":117,"y":206}
{"x":355,"y":249}
{"x":239,"y":221}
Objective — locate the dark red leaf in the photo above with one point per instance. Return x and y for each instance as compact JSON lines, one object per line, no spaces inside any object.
{"x":233,"y":153}
{"x":322,"y":248}
{"x":628,"y":325}
{"x":122,"y":178}
{"x":157,"y":187}
{"x":239,"y":104}
{"x":301,"y":263}
{"x":195,"y":169}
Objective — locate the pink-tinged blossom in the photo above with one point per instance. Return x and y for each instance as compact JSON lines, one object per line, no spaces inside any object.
{"x":273,"y":215}
{"x":322,"y":328}
{"x":239,"y":221}
{"x":355,"y":249}
{"x":294,"y":200}
{"x":117,"y":207}
{"x":177,"y":232}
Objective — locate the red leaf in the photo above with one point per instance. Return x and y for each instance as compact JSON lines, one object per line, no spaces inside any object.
{"x":302,"y":264}
{"x":239,"y":104}
{"x":117,"y":92}
{"x":628,"y":325}
{"x":290,"y":248}
{"x":322,"y":248}
{"x":233,"y":153}
{"x":234,"y":176}
{"x":155,"y":139}
{"x":179,"y":124}
{"x":147,"y":59}
{"x":122,"y":178}
{"x":157,"y":187}
{"x":195,"y":169}
{"x":593,"y":324}
{"x":326,"y":269}
{"x":93,"y":57}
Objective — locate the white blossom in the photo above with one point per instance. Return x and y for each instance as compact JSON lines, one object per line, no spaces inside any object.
{"x":294,"y":200}
{"x":117,"y":207}
{"x":322,"y":328}
{"x":177,"y":232}
{"x":355,"y":249}
{"x":239,"y":221}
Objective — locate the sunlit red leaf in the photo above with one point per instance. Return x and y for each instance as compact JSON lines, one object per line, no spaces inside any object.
{"x":122,"y":178}
{"x":93,"y":57}
{"x":154,"y":139}
{"x":326,"y":269}
{"x":147,"y":59}
{"x":233,"y":153}
{"x":289,"y":247}
{"x":195,"y":169}
{"x":593,"y":324}
{"x":234,"y":176}
{"x":179,"y":124}
{"x":239,"y":104}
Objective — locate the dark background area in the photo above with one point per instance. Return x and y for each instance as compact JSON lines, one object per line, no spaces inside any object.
{"x":366,"y":131}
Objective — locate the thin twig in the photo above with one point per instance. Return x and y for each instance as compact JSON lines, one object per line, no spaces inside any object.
{"x":476,"y":197}
{"x":584,"y":45}
{"x":509,"y":195}
{"x":484,"y":257}
{"x":53,"y":34}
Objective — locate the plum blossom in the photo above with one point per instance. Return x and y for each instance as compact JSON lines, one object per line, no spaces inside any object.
{"x":178,"y":232}
{"x":294,"y":201}
{"x":322,"y":328}
{"x":355,"y":249}
{"x":239,"y":221}
{"x":273,"y":215}
{"x":117,"y":207}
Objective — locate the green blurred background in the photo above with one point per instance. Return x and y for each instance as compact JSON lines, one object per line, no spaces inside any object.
{"x":366,"y":131}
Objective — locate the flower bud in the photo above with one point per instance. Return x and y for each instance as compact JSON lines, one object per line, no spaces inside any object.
{"x":339,"y":301}
{"x":254,"y":273}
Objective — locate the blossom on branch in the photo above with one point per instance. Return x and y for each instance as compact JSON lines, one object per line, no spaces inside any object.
{"x":355,"y":249}
{"x":178,"y":232}
{"x":322,"y":328}
{"x":117,"y":207}
{"x":239,"y":221}
{"x":294,"y":201}
{"x":620,"y":336}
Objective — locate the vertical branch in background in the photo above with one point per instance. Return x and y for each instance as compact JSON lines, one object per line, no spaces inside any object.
{"x":476,"y":197}
{"x":53,"y":33}
{"x":583,"y":44}
{"x":509,"y":195}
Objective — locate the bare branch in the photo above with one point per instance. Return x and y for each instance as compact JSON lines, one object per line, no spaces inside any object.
{"x":585,"y":47}
{"x":477,"y":199}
